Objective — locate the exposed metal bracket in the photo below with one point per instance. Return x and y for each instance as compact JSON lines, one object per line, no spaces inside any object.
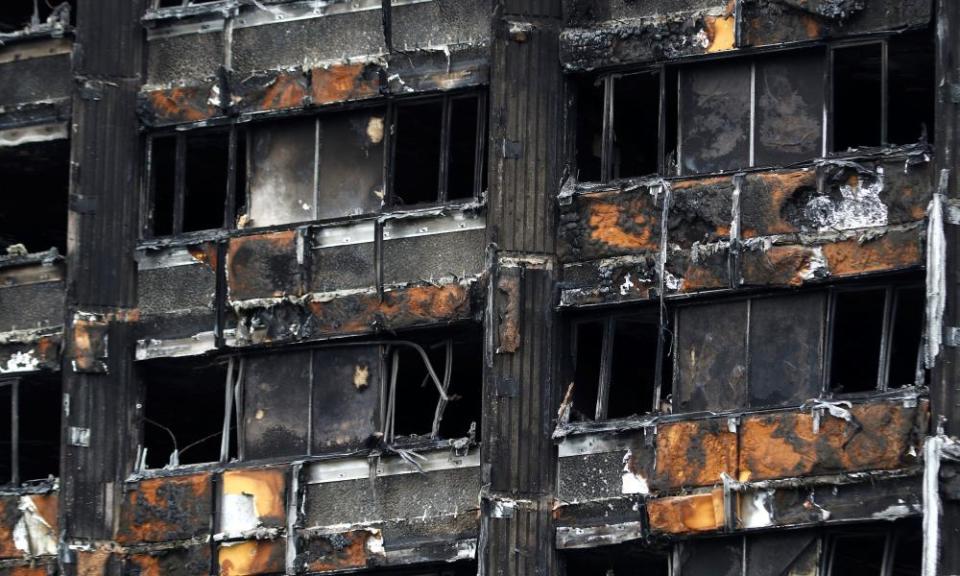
{"x":80,"y":437}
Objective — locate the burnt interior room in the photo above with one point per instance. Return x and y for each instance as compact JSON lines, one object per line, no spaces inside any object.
{"x":36,"y":182}
{"x":183,"y":411}
{"x":18,"y":14}
{"x":29,"y":439}
{"x":619,"y":560}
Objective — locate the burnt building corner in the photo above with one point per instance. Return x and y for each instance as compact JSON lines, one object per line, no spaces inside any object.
{"x":493,"y":287}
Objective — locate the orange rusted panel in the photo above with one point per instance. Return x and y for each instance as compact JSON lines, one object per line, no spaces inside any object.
{"x":178,"y":104}
{"x":781,"y":265}
{"x":263,"y":266}
{"x":721,"y":33}
{"x":252,"y":557}
{"x":266,"y":486}
{"x":206,"y":253}
{"x":92,"y":562}
{"x":603,"y":224}
{"x":164,"y":509}
{"x":894,"y":250}
{"x":771,"y":198}
{"x":189,"y":561}
{"x":343,"y":83}
{"x":29,"y":570}
{"x":694,"y":453}
{"x":509,"y":331}
{"x":405,"y":307}
{"x":340,"y":551}
{"x":682,"y":514}
{"x":880,"y":436}
{"x":265,"y":91}
{"x":615,"y":225}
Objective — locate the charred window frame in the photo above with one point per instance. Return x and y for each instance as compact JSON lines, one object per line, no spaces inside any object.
{"x":608,"y":378}
{"x":29,"y":428}
{"x":443,"y":120}
{"x":168,"y":177}
{"x":874,"y":336}
{"x":873,"y":551}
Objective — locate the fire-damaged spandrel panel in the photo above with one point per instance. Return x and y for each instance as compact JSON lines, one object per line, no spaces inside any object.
{"x":282,"y":162}
{"x":786,"y":338}
{"x":276,"y":405}
{"x":711,"y":357}
{"x":789,"y":107}
{"x":351,"y":163}
{"x":715,"y":117}
{"x":346,"y":396}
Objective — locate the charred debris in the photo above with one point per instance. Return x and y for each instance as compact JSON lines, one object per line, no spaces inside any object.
{"x":450,"y":287}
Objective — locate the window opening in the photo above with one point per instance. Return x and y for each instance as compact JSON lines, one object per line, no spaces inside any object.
{"x":857,"y":336}
{"x":589,"y":114}
{"x":36,"y":183}
{"x":351,"y":154}
{"x":18,"y":14}
{"x":857,"y":96}
{"x":912,"y":81}
{"x":206,"y":179}
{"x":419,"y":145}
{"x":29,"y":428}
{"x":856,"y":554}
{"x":466,"y":160}
{"x":618,"y":560}
{"x":633,"y":367}
{"x":185,"y":410}
{"x":636,"y":125}
{"x":906,"y":336}
{"x":587,"y":340}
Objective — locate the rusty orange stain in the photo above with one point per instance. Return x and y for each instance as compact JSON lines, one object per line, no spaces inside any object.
{"x":205,"y":253}
{"x":32,"y":569}
{"x":351,"y":555}
{"x":720,"y":33}
{"x":604,"y":222}
{"x":780,"y":187}
{"x":343,"y":83}
{"x":92,"y":563}
{"x":694,"y":453}
{"x":881,"y":437}
{"x":251,"y":557}
{"x":286,"y":91}
{"x":690,"y":183}
{"x":778,"y":266}
{"x":267,"y":487}
{"x":159,"y":509}
{"x":892,"y":251}
{"x":811,"y":27}
{"x":181,"y":103}
{"x":681,"y":514}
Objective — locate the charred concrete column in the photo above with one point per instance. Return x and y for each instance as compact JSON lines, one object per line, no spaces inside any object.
{"x":518,"y":465}
{"x":99,"y":425}
{"x":945,"y":388}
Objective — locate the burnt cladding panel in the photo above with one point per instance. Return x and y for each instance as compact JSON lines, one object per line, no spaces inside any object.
{"x":35,"y":79}
{"x":786,"y":340}
{"x":173,"y":59}
{"x":282,"y":166}
{"x":31,"y":306}
{"x":343,"y":267}
{"x":176,"y":288}
{"x":715,"y":117}
{"x":346,"y":397}
{"x":711,"y":357}
{"x":429,"y":24}
{"x":351,"y":163}
{"x":789,"y":107}
{"x":433,"y":256}
{"x":276,"y":405}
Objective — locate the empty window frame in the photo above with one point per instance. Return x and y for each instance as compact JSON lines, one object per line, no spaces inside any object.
{"x":18,"y":14}
{"x":186,"y":413}
{"x":29,"y":428}
{"x":194,"y":181}
{"x":36,"y":185}
{"x":617,"y":560}
{"x":353,"y":395}
{"x":438,"y":149}
{"x":874,"y":551}
{"x":875,"y":338}
{"x":882,"y":92}
{"x":617,"y":366}
{"x":618,"y":119}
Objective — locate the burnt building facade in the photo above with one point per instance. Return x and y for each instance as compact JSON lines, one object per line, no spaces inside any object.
{"x":450,"y":287}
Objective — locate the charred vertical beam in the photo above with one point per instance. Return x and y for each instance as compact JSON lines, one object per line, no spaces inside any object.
{"x":519,"y":388}
{"x":945,"y":389}
{"x":99,"y":426}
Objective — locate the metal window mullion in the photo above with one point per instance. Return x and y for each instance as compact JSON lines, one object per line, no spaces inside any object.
{"x":148,"y":192}
{"x":314,"y":358}
{"x":239,"y":409}
{"x":227,"y":414}
{"x":752,"y":160}
{"x":317,"y":144}
{"x":389,"y":152}
{"x":230,"y":202}
{"x":15,"y":432}
{"x":478,"y":163}
{"x":884,"y":90}
{"x":828,"y":102}
{"x":658,"y":369}
{"x":679,"y":123}
{"x":606,"y":154}
{"x":662,"y":132}
{"x":886,"y":337}
{"x":445,"y":122}
{"x":180,"y":183}
{"x":606,"y":357}
{"x":828,"y":354}
{"x":889,"y":548}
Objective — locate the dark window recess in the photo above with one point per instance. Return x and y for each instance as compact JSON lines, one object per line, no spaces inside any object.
{"x":856,"y":340}
{"x":906,"y":367}
{"x":416,"y":399}
{"x":183,"y":412}
{"x":18,"y":14}
{"x":712,"y":557}
{"x":29,"y":428}
{"x":636,"y":125}
{"x":789,"y":107}
{"x":715,"y":116}
{"x":587,"y":344}
{"x":857,"y":96}
{"x":616,"y":363}
{"x":465,"y":161}
{"x":15,"y":14}
{"x":419,"y":144}
{"x":192,"y":184}
{"x":36,"y":180}
{"x":670,"y":119}
{"x":205,"y":196}
{"x":589,"y":113}
{"x":911,"y":81}
{"x":454,"y":569}
{"x":857,"y":554}
{"x":620,"y":560}
{"x":907,"y":552}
